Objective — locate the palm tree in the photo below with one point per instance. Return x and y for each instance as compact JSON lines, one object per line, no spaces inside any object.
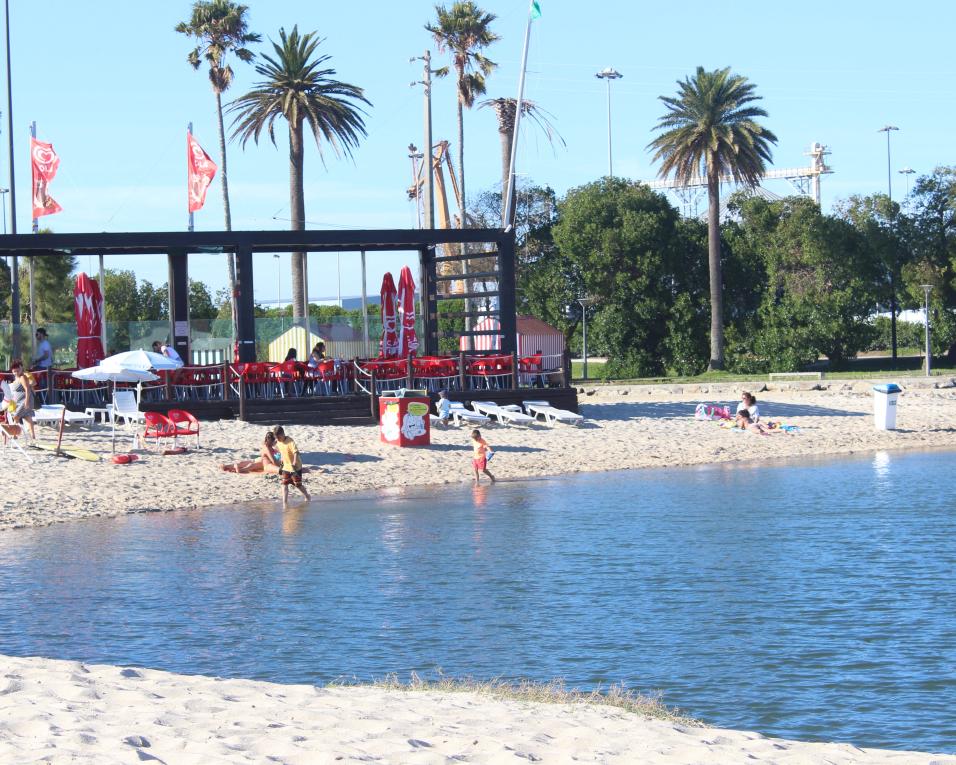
{"x":710,"y":131}
{"x":506,"y":109}
{"x":299,"y":90}
{"x":220,"y":28}
{"x":463,"y":30}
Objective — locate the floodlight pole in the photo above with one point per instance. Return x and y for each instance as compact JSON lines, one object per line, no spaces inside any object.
{"x":15,"y":269}
{"x":889,"y":191}
{"x":607,"y":74}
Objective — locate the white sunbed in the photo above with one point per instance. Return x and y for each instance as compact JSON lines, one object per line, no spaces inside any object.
{"x":461,"y":416}
{"x":509,"y":414}
{"x":51,"y":414}
{"x":551,"y":414}
{"x":125,"y":407}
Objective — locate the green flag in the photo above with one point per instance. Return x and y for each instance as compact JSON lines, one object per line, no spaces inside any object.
{"x":535,"y":9}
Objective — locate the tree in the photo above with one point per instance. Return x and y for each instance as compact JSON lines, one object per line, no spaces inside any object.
{"x":822,"y":284}
{"x":53,"y":290}
{"x":622,"y":243}
{"x":297,"y":89}
{"x":506,"y":110}
{"x":200,"y":302}
{"x":463,"y":31}
{"x":221,"y":29}
{"x":709,"y":132}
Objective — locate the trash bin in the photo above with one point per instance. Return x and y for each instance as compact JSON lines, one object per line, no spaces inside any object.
{"x":884,"y":405}
{"x":403,"y":417}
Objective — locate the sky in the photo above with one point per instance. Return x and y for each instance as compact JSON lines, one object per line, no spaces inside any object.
{"x":108,"y":84}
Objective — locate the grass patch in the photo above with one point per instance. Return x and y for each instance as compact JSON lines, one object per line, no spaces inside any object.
{"x":553,"y":692}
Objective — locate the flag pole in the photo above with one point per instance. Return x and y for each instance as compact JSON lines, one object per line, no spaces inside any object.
{"x":189,"y":131}
{"x":36,"y":230}
{"x":15,"y":268}
{"x":507,"y":214}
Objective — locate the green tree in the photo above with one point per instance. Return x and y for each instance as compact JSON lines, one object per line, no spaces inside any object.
{"x":221,"y":29}
{"x":53,"y":290}
{"x":623,"y":242}
{"x":200,"y":302}
{"x":822,"y":284}
{"x":299,"y":90}
{"x":710,"y":131}
{"x":463,"y":31}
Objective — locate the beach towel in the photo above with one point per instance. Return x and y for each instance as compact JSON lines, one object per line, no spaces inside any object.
{"x":712,"y":412}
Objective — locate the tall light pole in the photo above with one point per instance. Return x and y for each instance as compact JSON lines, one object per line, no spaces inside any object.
{"x":275,"y":256}
{"x":15,"y":269}
{"x":889,"y":191}
{"x":607,"y":74}
{"x":907,"y":172}
{"x":3,"y":193}
{"x":927,"y":288}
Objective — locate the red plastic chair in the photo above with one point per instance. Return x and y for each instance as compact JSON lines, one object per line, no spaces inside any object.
{"x":185,"y":424}
{"x":158,"y":427}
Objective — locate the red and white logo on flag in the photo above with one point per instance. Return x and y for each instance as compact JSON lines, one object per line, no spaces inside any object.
{"x":201,"y":171}
{"x":44,"y":162}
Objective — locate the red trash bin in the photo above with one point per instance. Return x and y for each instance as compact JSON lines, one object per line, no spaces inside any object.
{"x":403,"y":418}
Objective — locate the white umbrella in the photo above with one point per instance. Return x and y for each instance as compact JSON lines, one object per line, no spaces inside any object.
{"x":140,"y":359}
{"x":101,"y":373}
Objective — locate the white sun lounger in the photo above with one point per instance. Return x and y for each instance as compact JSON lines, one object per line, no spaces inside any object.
{"x":462,"y":416}
{"x":506,"y":415}
{"x":51,"y":413}
{"x":551,"y":414}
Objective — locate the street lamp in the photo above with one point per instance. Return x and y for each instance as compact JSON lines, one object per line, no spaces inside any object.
{"x":889,"y":190}
{"x":607,"y":74}
{"x":585,"y":302}
{"x":275,"y":257}
{"x":907,"y":171}
{"x":927,"y":288}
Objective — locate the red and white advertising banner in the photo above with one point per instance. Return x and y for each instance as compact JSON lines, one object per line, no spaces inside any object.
{"x":200,"y":170}
{"x":408,"y":340}
{"x":44,"y":163}
{"x":89,"y":321}
{"x":388,"y":349}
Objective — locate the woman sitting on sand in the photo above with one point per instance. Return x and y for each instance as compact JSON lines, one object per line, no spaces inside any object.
{"x":748,"y":401}
{"x":744,"y":422}
{"x":268,"y":462}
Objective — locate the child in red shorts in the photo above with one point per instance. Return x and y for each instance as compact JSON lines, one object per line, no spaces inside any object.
{"x":291,"y":469}
{"x":481,"y":454}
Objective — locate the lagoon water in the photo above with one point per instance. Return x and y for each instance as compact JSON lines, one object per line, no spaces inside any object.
{"x":812,"y":600}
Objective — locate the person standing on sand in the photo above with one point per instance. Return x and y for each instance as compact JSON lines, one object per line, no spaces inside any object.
{"x":291,"y":469}
{"x":482,"y":453}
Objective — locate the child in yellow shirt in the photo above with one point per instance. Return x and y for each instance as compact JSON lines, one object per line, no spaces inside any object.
{"x":481,"y":454}
{"x":291,"y":468}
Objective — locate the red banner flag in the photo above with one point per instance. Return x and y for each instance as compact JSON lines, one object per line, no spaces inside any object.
{"x":201,"y":171}
{"x":44,"y":162}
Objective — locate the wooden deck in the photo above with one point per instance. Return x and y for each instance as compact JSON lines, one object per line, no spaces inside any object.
{"x":346,"y":410}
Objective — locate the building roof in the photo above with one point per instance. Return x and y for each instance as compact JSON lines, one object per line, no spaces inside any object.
{"x":531,"y":325}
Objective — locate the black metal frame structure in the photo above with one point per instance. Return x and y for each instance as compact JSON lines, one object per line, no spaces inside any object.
{"x":178,"y":246}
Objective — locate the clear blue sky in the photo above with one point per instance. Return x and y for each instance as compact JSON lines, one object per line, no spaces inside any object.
{"x":108,"y":85}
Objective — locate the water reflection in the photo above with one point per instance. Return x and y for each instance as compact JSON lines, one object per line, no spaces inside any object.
{"x":817,"y":605}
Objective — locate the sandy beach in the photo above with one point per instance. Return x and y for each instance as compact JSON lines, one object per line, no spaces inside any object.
{"x":59,"y":712}
{"x":625,"y":428}
{"x":67,"y":712}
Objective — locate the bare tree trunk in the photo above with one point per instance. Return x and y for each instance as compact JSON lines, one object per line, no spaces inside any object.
{"x":505,"y":137}
{"x":227,"y":213}
{"x":716,"y":277}
{"x":297,"y":209}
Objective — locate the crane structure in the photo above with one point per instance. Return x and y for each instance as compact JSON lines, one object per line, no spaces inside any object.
{"x":806,"y":180}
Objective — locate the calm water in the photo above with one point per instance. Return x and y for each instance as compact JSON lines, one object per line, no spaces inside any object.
{"x":809,"y":600}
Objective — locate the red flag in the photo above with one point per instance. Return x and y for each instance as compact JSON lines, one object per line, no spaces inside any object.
{"x":201,"y":171}
{"x":44,"y":162}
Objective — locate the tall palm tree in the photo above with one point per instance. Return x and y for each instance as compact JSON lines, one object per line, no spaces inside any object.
{"x":220,"y":28}
{"x":463,"y":31}
{"x":507,"y":109}
{"x":298,"y":89}
{"x":710,"y":132}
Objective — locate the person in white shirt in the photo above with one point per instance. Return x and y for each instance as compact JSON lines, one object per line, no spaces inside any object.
{"x":44,"y":357}
{"x":749,"y":402}
{"x":167,"y":350}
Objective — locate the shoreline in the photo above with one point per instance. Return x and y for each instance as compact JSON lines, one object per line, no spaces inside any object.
{"x":69,"y":711}
{"x":624,"y":430}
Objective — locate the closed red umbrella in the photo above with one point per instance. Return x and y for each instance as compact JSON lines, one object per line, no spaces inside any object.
{"x":389,"y":345}
{"x":408,"y":341}
{"x":89,"y":322}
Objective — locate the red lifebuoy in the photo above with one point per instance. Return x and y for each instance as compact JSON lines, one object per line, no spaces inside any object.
{"x":174,"y":450}
{"x":125,"y":459}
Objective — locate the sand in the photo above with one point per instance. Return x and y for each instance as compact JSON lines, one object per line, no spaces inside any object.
{"x":65,"y":712}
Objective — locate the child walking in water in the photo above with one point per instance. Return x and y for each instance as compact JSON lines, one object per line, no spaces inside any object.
{"x":482,"y":453}
{"x":291,"y":469}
